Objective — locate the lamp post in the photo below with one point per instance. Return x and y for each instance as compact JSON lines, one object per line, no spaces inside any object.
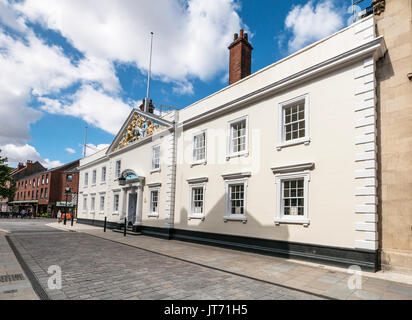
{"x":74,"y":206}
{"x":66,"y":192}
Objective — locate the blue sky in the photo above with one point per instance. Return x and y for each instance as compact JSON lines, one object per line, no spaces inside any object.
{"x":71,"y":63}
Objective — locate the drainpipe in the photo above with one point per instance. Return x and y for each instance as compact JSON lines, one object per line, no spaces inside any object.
{"x":172,"y":173}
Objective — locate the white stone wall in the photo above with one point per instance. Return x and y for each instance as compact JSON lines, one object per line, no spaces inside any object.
{"x":337,"y":76}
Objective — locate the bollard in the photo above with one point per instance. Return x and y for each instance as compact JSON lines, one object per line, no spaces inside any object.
{"x":72,"y":219}
{"x":105,"y":222}
{"x":125,"y":225}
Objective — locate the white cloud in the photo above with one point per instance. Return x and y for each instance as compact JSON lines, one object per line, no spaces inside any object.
{"x":70,"y":150}
{"x":191,"y":37}
{"x":91,"y":148}
{"x":10,"y":18}
{"x":32,"y":68}
{"x":16,"y":154}
{"x":93,"y":106}
{"x":183,"y":88}
{"x":310,"y":23}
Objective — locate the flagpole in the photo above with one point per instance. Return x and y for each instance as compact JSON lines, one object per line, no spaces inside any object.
{"x":149,"y":74}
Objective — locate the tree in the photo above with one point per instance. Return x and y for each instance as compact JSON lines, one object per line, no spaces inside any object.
{"x":7,"y":188}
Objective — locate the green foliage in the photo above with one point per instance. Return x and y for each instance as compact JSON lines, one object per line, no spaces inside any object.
{"x":7,"y":187}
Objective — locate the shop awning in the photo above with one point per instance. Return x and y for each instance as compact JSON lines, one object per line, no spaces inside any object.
{"x":24,"y":202}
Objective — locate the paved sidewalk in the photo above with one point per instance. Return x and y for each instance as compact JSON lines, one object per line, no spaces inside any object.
{"x":319,"y":279}
{"x":14,"y":284}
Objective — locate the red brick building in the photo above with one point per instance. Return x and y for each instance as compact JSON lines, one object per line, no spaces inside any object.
{"x":43,"y":192}
{"x":67,"y":177}
{"x":20,"y":175}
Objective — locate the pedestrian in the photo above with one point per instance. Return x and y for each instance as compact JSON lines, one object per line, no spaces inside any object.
{"x":59,"y":216}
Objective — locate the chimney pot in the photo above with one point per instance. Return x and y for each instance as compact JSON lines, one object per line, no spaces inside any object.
{"x":241,"y":33}
{"x":235,"y":36}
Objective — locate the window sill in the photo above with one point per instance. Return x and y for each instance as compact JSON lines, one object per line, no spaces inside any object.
{"x":101,"y":212}
{"x":91,"y":212}
{"x":304,"y":222}
{"x":115,"y":213}
{"x":196,"y":216}
{"x":153,"y":215}
{"x":93,"y":185}
{"x":235,"y":217}
{"x":305,"y":141}
{"x":103,"y":182}
{"x":154,"y":171}
{"x":236,"y":155}
{"x":198,"y":163}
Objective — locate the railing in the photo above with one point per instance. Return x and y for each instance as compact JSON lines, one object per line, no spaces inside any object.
{"x":161,"y":109}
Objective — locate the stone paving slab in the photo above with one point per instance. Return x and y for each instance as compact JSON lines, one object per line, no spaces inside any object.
{"x":96,"y":268}
{"x":317,"y":279}
{"x":13,"y":287}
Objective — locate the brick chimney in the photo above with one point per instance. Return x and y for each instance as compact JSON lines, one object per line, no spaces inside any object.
{"x":240,"y":63}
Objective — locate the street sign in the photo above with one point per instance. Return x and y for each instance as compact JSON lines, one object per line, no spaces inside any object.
{"x":63,"y":204}
{"x":74,"y":197}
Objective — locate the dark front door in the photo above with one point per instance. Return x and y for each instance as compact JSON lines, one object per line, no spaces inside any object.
{"x":131,"y":212}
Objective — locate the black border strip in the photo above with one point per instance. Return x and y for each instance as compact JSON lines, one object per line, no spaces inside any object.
{"x":38,"y":289}
{"x":216,"y":269}
{"x":336,"y":256}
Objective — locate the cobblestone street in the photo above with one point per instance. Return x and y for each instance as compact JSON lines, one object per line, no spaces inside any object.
{"x":95,"y":268}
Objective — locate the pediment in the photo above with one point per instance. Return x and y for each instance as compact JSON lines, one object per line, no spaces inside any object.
{"x":139,"y":126}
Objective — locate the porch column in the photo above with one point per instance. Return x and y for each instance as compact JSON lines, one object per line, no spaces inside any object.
{"x":139,"y":204}
{"x":122,"y":205}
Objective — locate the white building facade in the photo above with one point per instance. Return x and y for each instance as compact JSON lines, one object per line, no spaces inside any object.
{"x":282,"y":162}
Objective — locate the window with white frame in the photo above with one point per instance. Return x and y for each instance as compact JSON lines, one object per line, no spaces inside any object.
{"x":292,"y":197}
{"x":94,"y":177}
{"x":84,"y":203}
{"x":86,"y":179}
{"x":115,"y":203}
{"x":197,"y":205}
{"x":118,"y":168}
{"x":293,"y":200}
{"x":236,"y":200}
{"x":101,"y":208}
{"x":154,"y":202}
{"x":294,"y":125}
{"x":238,"y":137}
{"x":199,"y":147}
{"x":92,"y":203}
{"x":103,"y":174}
{"x":156,"y":158}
